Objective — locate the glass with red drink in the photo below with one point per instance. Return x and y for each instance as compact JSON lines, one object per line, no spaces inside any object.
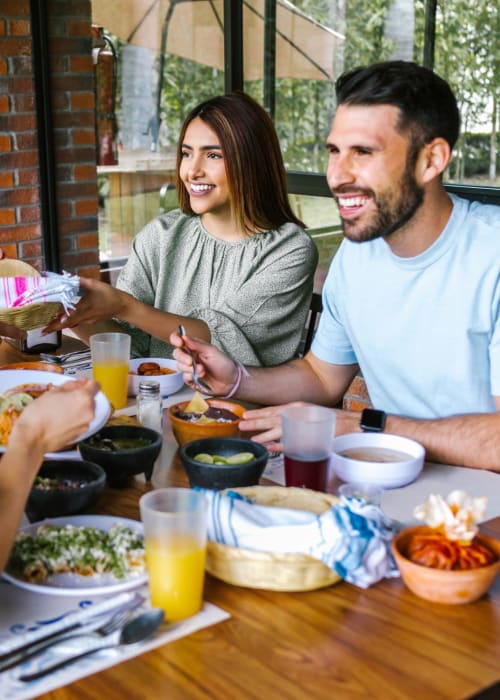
{"x":307,"y":434}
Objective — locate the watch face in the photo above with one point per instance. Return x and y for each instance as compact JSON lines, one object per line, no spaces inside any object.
{"x":372,"y":420}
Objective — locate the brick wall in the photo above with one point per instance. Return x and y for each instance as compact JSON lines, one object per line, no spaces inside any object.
{"x":356,"y":397}
{"x":72,"y":102}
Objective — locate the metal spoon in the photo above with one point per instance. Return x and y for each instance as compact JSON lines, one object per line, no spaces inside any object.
{"x":134,"y":631}
{"x":199,"y":383}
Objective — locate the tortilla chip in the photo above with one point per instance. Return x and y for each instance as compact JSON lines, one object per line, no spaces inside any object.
{"x":197,"y":404}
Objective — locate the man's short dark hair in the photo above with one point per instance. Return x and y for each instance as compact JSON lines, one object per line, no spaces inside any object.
{"x":428,"y":108}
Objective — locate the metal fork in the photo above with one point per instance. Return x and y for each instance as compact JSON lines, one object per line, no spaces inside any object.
{"x":114,"y":623}
{"x":197,"y":381}
{"x":61,"y":359}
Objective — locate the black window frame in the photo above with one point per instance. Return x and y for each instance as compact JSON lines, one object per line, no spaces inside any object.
{"x":314,"y":184}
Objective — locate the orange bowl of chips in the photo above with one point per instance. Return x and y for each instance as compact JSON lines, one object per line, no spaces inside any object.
{"x":203,"y":418}
{"x":451,"y":586}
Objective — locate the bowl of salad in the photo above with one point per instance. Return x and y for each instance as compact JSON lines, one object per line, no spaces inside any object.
{"x":64,"y":487}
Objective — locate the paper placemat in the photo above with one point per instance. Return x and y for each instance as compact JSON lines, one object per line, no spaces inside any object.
{"x":275,"y":470}
{"x":22,"y":611}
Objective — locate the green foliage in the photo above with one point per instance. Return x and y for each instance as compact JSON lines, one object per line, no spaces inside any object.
{"x":365,"y":24}
{"x":466,"y":54}
{"x":476,"y":154}
{"x":186,"y":84}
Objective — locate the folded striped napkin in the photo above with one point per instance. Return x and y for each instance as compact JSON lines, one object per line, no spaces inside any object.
{"x":352,"y":538}
{"x":48,"y":287}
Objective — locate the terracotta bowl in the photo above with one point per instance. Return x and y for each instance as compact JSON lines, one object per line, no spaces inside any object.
{"x":185,"y":431}
{"x":39,"y":366}
{"x":442,"y":586}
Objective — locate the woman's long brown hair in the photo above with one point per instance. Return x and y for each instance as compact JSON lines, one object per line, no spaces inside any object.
{"x":252,"y":156}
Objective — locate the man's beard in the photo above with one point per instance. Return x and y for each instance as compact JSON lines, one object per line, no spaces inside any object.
{"x":390,"y":216}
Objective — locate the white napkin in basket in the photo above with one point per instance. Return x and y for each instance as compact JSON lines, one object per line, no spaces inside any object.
{"x":48,"y":287}
{"x":352,"y":538}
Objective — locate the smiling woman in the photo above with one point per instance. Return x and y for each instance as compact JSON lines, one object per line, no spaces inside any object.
{"x":233,"y":265}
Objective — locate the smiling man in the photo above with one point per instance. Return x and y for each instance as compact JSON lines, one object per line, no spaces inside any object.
{"x":412,"y":297}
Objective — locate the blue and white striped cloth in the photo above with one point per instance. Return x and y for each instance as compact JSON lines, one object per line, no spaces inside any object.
{"x":352,"y":538}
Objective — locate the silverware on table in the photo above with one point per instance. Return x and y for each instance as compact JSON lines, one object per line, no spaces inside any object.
{"x":68,"y":357}
{"x":134,"y":631}
{"x":93,"y":626}
{"x":197,"y":381}
{"x":71,"y":362}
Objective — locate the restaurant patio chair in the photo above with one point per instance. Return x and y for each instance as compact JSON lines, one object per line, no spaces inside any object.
{"x":315,"y":308}
{"x":168,"y":198}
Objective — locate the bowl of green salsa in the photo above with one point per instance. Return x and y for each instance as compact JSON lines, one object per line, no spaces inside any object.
{"x":221,"y":463}
{"x":123,"y":451}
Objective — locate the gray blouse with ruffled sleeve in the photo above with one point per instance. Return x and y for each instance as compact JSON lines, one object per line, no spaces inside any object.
{"x":253,"y":294}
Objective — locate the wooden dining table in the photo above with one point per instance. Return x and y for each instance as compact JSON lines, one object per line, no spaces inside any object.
{"x":340,"y":642}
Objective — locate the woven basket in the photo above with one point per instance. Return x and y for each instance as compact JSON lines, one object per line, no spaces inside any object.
{"x":33,"y":315}
{"x":267,"y":570}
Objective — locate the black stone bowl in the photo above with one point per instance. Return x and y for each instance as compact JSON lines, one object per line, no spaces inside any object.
{"x":223,"y":476}
{"x":65,"y":499}
{"x":119,"y":464}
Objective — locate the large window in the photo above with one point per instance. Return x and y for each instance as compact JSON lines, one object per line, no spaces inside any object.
{"x":172,"y":54}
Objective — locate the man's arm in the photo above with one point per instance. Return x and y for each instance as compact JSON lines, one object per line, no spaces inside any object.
{"x":306,"y":379}
{"x":470,"y":440}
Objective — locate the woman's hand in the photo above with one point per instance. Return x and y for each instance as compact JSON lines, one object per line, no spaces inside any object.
{"x":56,"y":418}
{"x":100,"y":302}
{"x":215,"y":368}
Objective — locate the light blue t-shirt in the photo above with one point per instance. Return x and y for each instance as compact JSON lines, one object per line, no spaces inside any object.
{"x":425,"y":331}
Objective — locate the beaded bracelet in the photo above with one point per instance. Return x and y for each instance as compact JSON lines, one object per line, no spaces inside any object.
{"x":242,"y":372}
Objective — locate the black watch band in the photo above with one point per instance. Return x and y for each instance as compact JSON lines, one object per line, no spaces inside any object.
{"x":372,"y":421}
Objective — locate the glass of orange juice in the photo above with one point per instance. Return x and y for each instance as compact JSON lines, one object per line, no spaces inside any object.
{"x":110,"y":353}
{"x":175,"y":538}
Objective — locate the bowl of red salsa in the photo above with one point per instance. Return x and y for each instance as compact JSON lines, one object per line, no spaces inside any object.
{"x":64,"y":487}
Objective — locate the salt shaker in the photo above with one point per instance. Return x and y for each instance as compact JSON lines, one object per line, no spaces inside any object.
{"x":149,"y":406}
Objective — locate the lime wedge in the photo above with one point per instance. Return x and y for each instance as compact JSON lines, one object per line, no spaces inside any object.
{"x":202,"y":457}
{"x":240,"y":458}
{"x":219,"y":460}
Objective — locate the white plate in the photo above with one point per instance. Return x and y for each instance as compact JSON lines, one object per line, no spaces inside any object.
{"x":74,"y":584}
{"x":13,"y":377}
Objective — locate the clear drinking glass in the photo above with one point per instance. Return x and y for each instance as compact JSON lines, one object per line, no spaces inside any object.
{"x":307,"y":435}
{"x":370,"y":493}
{"x":175,"y":536}
{"x":110,"y":353}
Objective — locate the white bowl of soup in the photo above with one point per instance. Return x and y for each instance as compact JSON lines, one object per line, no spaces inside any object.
{"x":389,"y":461}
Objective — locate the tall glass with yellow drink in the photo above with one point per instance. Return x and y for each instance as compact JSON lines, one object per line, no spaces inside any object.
{"x":113,"y":379}
{"x":110,"y":354}
{"x":175,"y":527}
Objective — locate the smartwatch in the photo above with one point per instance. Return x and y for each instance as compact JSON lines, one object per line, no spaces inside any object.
{"x":372,"y":421}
